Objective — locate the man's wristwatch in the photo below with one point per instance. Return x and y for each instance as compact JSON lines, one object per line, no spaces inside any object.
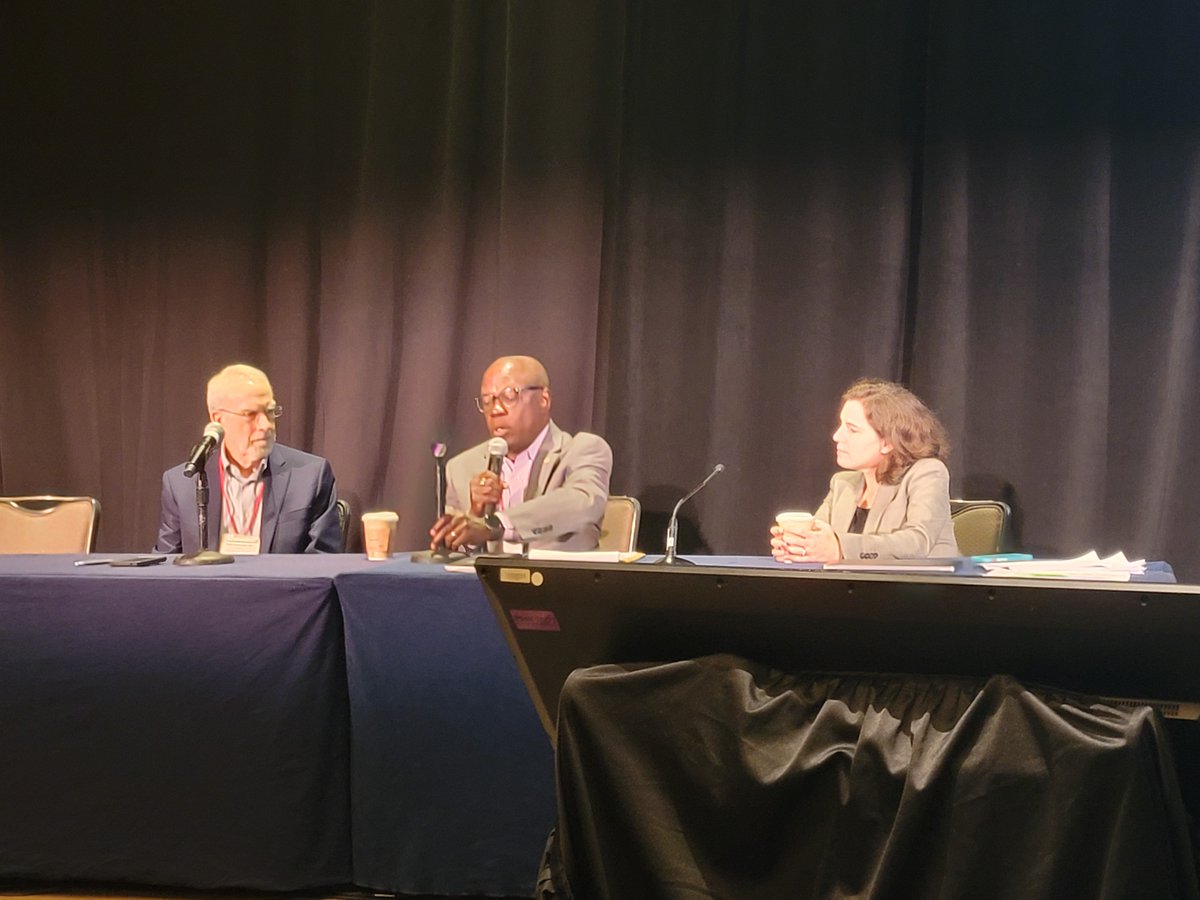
{"x":495,"y":526}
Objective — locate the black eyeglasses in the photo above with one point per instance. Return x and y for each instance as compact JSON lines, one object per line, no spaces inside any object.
{"x":507,"y":397}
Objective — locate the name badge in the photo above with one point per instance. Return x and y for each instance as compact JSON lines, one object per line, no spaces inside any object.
{"x":239,"y":544}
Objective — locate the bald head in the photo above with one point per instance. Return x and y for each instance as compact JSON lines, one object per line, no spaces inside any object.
{"x":235,"y":380}
{"x":521,"y":420}
{"x":525,"y":368}
{"x":241,"y":399}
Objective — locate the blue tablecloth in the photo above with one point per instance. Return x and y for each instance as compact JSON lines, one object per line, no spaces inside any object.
{"x":452,"y":784}
{"x":196,"y":727}
{"x":173,"y":726}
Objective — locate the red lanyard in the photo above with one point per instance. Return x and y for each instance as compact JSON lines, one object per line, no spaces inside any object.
{"x":230,"y":522}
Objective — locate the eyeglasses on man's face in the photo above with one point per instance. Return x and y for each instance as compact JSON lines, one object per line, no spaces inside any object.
{"x":274,"y":411}
{"x":506,"y":397}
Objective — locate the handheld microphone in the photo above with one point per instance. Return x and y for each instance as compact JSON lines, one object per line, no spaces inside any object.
{"x":213,"y":432}
{"x":497,"y":450}
{"x":670,"y":559}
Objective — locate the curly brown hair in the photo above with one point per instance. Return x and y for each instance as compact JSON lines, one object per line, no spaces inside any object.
{"x":902,"y":420}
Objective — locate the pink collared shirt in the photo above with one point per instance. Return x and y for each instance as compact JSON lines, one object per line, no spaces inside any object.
{"x":516,"y":473}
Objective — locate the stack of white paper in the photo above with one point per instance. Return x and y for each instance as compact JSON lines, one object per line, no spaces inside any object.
{"x":1089,"y":567}
{"x":584,"y":556}
{"x":588,"y":556}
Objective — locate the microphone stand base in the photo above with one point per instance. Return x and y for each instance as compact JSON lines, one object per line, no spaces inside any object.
{"x":440,"y":556}
{"x":204,"y":558}
{"x":673,"y":561}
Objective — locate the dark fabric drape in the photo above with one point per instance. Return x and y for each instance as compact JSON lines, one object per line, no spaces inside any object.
{"x":721,"y":778}
{"x":1058,"y":298}
{"x":706,"y":222}
{"x":370,"y":201}
{"x":762,"y":249}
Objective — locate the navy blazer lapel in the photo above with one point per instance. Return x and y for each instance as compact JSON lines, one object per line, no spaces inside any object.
{"x":275,"y":482}
{"x":216,"y":499}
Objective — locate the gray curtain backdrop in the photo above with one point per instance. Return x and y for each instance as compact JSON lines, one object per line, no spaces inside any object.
{"x":706,"y":220}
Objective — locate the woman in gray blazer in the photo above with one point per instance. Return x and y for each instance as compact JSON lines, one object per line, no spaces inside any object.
{"x":893,"y":500}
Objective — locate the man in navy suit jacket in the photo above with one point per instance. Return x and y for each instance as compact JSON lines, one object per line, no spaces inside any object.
{"x":263,"y":497}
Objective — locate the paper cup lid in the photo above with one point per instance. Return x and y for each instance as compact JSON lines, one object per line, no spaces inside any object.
{"x":381,"y":517}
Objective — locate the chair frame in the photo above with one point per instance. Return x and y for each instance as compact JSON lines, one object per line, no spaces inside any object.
{"x":343,"y":514}
{"x":28,"y":502}
{"x":637,"y":519}
{"x":960,"y":506}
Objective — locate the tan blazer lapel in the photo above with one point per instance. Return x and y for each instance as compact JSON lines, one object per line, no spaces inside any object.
{"x":883,"y":498}
{"x":844,"y":501}
{"x":545,"y":463}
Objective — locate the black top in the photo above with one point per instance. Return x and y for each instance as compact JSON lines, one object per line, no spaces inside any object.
{"x":860,"y":520}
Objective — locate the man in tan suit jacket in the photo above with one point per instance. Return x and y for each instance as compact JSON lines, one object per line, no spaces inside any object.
{"x":559,"y":481}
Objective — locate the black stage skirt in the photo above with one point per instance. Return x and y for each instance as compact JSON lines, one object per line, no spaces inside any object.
{"x":721,"y":778}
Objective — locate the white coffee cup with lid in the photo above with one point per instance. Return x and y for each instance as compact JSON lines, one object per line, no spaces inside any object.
{"x":794,"y":521}
{"x":379,"y":533}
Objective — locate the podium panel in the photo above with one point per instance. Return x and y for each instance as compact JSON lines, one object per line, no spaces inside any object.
{"x":1121,"y":640}
{"x":642,"y":720}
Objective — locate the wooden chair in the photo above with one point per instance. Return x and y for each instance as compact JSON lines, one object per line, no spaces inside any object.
{"x":980,"y":526}
{"x":48,"y":524}
{"x":619,"y":530}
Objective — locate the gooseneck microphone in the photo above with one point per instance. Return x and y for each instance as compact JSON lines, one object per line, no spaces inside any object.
{"x":441,"y":554}
{"x":497,"y":450}
{"x":213,"y":432}
{"x":670,"y":559}
{"x":438,"y":449}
